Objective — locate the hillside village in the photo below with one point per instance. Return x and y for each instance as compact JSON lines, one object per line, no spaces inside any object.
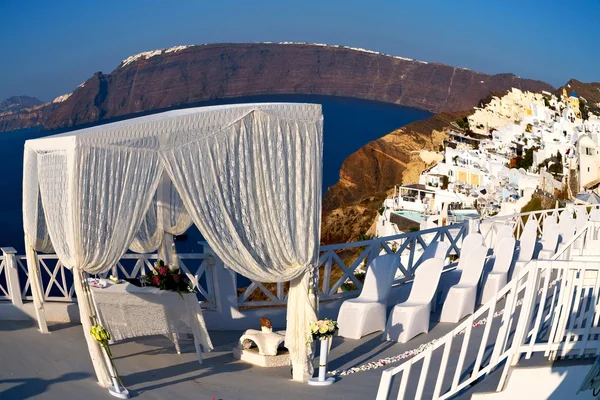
{"x":517,"y":146}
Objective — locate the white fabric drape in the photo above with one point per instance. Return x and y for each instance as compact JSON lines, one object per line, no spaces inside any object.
{"x":166,"y":214}
{"x":94,"y":200}
{"x":36,"y":233}
{"x":254,"y":191}
{"x":248,"y":175}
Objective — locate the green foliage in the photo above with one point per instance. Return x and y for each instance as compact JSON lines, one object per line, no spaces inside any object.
{"x":365,"y":236}
{"x":546,"y":102}
{"x":535,"y":204}
{"x":528,"y":158}
{"x":584,"y":109}
{"x":444,"y":182}
{"x":529,"y":128}
{"x":463,"y":123}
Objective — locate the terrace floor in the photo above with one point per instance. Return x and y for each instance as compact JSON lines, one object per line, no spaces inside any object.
{"x":57,"y":366}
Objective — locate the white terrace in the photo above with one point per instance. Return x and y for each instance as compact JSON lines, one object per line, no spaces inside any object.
{"x":249,"y":177}
{"x":548,"y":312}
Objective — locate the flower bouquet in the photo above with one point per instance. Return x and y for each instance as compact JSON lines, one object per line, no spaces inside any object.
{"x":168,"y":277}
{"x":323,"y":329}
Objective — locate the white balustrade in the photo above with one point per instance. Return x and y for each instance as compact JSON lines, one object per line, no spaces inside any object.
{"x":551,"y":307}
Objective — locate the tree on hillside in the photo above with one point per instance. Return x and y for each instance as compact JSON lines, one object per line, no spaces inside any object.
{"x":528,"y":158}
{"x":583,"y":109}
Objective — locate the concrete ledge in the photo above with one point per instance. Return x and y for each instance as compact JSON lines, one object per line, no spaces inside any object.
{"x":55,"y":312}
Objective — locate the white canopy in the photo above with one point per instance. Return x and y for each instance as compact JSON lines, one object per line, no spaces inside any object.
{"x":249,"y":176}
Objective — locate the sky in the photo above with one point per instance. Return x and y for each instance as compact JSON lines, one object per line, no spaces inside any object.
{"x":47,"y":48}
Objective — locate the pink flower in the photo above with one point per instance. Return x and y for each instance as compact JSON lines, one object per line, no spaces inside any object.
{"x":163,"y":270}
{"x":156,"y":280}
{"x":176,"y":278}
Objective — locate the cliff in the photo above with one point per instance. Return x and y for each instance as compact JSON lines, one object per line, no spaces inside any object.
{"x":350,"y":206}
{"x":184,"y":75}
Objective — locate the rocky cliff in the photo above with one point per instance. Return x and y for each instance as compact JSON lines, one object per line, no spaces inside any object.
{"x":350,"y":206}
{"x":189,"y":74}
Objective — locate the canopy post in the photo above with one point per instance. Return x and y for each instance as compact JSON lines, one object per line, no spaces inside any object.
{"x":86,"y":314}
{"x":301,"y":313}
{"x":35,"y":281}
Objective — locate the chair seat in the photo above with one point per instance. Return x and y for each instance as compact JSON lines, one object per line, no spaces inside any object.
{"x":462,"y":286}
{"x":409,"y":305}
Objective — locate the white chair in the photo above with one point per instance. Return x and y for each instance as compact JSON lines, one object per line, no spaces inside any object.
{"x":549,"y":240}
{"x":566,"y":229}
{"x":527,"y":244}
{"x":471,"y":241}
{"x":498,"y":277}
{"x":450,"y":278}
{"x":592,"y":239}
{"x":461,"y":297}
{"x":435,"y":249}
{"x":581,"y":220}
{"x":411,"y":318}
{"x":504,"y":231}
{"x":366,"y":313}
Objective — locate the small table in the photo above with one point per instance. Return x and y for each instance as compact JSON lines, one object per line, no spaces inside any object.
{"x":128,"y":311}
{"x":266,"y":353}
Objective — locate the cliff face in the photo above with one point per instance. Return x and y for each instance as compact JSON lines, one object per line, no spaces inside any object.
{"x":185,"y":75}
{"x":350,"y":206}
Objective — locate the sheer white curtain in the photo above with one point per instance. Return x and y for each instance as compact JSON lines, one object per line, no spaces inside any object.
{"x":94,"y":200}
{"x":36,"y":233}
{"x":254,"y":191}
{"x":166,"y":214}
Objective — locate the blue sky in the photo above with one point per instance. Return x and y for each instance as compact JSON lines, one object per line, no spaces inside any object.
{"x":47,"y":48}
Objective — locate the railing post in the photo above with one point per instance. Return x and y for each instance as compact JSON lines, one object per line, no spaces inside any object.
{"x":12,"y":275}
{"x":225,"y":290}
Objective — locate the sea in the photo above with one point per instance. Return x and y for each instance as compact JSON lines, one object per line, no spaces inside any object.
{"x":348,"y":125}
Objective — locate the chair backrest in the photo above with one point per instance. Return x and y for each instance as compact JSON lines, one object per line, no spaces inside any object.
{"x":595,"y":215}
{"x":435,"y":249}
{"x":471,"y":241}
{"x":379,"y":277}
{"x":581,"y":219}
{"x":550,"y":235}
{"x":503,"y":254}
{"x":475,"y":259}
{"x":503,"y":231}
{"x":566,"y":226}
{"x":427,"y":278}
{"x":527,"y":243}
{"x":531,"y":224}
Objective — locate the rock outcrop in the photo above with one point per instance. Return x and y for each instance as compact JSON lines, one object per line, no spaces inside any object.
{"x":350,"y":206}
{"x":186,"y":75}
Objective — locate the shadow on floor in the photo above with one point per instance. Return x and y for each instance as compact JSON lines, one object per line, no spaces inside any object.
{"x":179,"y":373}
{"x":31,"y":387}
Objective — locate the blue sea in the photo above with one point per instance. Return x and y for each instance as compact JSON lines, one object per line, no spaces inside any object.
{"x":348,"y":125}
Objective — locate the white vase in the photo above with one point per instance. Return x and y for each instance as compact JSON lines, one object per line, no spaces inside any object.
{"x":322,"y":379}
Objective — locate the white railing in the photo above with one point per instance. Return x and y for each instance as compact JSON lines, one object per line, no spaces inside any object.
{"x":4,"y":289}
{"x":489,"y":226}
{"x":338,"y":264}
{"x":551,"y":307}
{"x":58,"y":286}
